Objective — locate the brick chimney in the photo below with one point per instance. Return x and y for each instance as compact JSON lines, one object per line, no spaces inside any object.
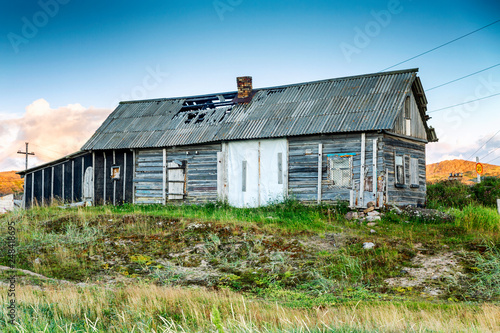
{"x":244,"y":86}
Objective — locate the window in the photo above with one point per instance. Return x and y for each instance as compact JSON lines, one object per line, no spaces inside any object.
{"x":340,"y":170}
{"x":407,"y":116}
{"x":414,"y":172}
{"x":399,"y":171}
{"x":115,"y":172}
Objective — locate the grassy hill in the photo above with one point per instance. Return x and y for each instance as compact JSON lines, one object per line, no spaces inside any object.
{"x":441,"y":171}
{"x":284,"y":268}
{"x":10,"y":183}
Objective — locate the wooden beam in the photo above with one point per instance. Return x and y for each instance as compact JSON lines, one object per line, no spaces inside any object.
{"x":164,"y":175}
{"x":52,"y":187}
{"x":124,"y":175}
{"x":133,"y":175}
{"x":93,"y":178}
{"x":72,"y":181}
{"x":32,"y":188}
{"x":43,"y":186}
{"x":374,"y":169}
{"x":104,"y":189}
{"x":320,"y":170}
{"x":114,"y":180}
{"x":362,"y":172}
{"x":83,"y":175}
{"x":62,"y":185}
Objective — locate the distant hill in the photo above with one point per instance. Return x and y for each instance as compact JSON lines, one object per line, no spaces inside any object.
{"x":441,"y":171}
{"x":10,"y":183}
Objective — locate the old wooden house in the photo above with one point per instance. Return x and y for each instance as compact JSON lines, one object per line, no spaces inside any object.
{"x":359,"y":138}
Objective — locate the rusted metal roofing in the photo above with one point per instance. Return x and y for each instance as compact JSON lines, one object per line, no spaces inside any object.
{"x":350,"y":104}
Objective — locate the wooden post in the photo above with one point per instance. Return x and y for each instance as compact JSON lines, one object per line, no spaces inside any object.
{"x":32,"y":188}
{"x":83,"y":176}
{"x":124,"y":175}
{"x":164,"y":182}
{"x":43,"y":186}
{"x":62,"y":185}
{"x":114,"y":180}
{"x":374,"y":169}
{"x":93,"y":178}
{"x":52,"y":187}
{"x":72,"y":180}
{"x":104,"y":189}
{"x":133,"y":176}
{"x":498,"y":206}
{"x":320,"y":170}
{"x":362,"y":171}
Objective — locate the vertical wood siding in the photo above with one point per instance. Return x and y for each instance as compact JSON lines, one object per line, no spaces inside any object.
{"x":408,"y":149}
{"x":303,"y":165}
{"x":417,"y":125}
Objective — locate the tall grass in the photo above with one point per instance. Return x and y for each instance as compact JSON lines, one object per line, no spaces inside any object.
{"x":159,"y":309}
{"x":474,"y":218}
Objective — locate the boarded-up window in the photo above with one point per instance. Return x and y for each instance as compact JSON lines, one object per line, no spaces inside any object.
{"x":176,"y":180}
{"x":399,"y":170}
{"x":340,"y":171}
{"x":414,"y":172}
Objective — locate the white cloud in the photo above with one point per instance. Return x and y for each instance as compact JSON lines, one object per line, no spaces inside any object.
{"x":52,"y":133}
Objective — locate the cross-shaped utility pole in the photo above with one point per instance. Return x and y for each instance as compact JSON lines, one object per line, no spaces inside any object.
{"x":26,"y":153}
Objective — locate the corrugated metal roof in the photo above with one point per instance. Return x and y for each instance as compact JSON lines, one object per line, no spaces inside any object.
{"x":349,"y":104}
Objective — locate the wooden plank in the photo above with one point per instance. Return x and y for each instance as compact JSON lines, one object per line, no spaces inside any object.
{"x":320,"y":170}
{"x":362,"y":171}
{"x":104,"y":188}
{"x":374,"y":167}
{"x":175,"y":189}
{"x":164,"y":174}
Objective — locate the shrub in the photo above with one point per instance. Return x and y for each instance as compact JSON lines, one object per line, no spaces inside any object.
{"x":487,"y":192}
{"x":448,"y":194}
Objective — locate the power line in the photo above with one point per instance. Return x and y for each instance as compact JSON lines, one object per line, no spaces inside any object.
{"x":463,"y":77}
{"x":474,"y":100}
{"x":484,"y":144}
{"x":496,"y":158}
{"x":440,"y":46}
{"x":489,"y":153}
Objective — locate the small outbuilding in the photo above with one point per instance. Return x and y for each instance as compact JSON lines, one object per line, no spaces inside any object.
{"x":359,"y":139}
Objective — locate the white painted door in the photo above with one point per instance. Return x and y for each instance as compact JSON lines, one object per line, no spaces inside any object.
{"x":256,"y":172}
{"x":88,"y":184}
{"x":176,"y":181}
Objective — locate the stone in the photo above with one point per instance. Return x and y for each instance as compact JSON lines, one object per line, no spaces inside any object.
{"x":374,"y":213}
{"x":37,"y":261}
{"x":370,"y":204}
{"x":368,"y":245}
{"x":351,"y":215}
{"x":372,"y":218}
{"x":372,"y":231}
{"x":371,"y":224}
{"x":369,"y":209}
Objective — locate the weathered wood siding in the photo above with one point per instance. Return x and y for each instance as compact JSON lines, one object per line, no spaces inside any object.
{"x":148,"y":178}
{"x":28,"y":189}
{"x":52,"y":184}
{"x":112,"y":190}
{"x":201,"y":170}
{"x":417,"y":125}
{"x":405,"y":195}
{"x":303,"y":164}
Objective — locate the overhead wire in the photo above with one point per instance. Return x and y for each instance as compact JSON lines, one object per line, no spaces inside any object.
{"x":440,"y":46}
{"x":463,"y":77}
{"x":474,"y":100}
{"x":484,"y":144}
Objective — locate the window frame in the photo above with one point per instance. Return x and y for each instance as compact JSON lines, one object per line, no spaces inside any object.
{"x":331,"y":158}
{"x":397,"y":181}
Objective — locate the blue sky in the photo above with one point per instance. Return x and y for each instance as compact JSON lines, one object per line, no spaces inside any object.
{"x":75,"y":57}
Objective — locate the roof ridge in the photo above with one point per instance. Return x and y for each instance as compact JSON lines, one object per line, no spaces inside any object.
{"x":164,"y":99}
